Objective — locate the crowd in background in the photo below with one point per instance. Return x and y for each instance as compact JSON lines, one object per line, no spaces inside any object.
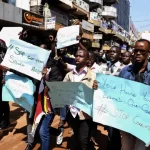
{"x":73,"y":64}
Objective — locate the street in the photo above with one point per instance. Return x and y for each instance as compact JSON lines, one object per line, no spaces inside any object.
{"x":14,"y":138}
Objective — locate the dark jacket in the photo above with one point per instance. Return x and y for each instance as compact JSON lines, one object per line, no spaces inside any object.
{"x":128,"y":73}
{"x":55,"y":73}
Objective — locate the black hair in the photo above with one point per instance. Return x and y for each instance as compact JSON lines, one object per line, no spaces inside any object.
{"x":85,"y":51}
{"x":144,"y":40}
{"x":117,"y":47}
{"x":128,"y":53}
{"x":93,"y":55}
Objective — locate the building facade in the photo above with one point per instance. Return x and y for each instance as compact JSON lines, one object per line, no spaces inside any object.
{"x":123,"y":13}
{"x":133,"y":31}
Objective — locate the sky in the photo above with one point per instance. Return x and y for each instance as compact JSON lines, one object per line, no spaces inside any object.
{"x":140,"y":14}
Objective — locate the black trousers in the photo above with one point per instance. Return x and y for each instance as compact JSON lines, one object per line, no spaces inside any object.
{"x":4,"y":109}
{"x":94,"y":129}
{"x":114,"y":141}
{"x":82,"y":132}
{"x":30,"y":139}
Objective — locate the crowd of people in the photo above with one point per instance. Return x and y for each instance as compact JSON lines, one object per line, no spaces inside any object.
{"x":77,"y":64}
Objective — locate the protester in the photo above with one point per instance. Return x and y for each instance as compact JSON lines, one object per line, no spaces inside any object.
{"x":126,"y":58}
{"x":51,"y":74}
{"x":113,"y":67}
{"x":52,"y":44}
{"x":57,"y":73}
{"x":102,"y":57}
{"x":139,"y":71}
{"x":4,"y":106}
{"x":81,"y":123}
{"x":92,"y":63}
{"x":30,"y":119}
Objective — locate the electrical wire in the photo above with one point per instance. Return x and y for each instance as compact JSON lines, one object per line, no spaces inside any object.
{"x":144,"y":26}
{"x":143,"y":20}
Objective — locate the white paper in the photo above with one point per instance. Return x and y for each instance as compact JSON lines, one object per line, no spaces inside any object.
{"x":67,"y":36}
{"x":26,"y":58}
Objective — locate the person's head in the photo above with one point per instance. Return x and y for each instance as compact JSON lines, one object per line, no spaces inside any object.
{"x":81,"y":58}
{"x":61,"y":52}
{"x":126,"y":57}
{"x":23,"y":35}
{"x":101,"y":53}
{"x":96,"y":51}
{"x":44,"y":46}
{"x":92,"y":59}
{"x":3,"y":47}
{"x":114,"y":54}
{"x":141,"y":51}
{"x":51,"y":38}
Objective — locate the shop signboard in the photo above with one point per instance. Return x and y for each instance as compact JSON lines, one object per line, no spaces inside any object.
{"x":124,"y":47}
{"x":32,"y":19}
{"x":50,"y":23}
{"x":97,"y":36}
{"x":87,"y":26}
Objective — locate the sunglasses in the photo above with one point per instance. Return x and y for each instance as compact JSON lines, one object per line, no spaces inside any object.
{"x":110,"y":51}
{"x":141,"y":51}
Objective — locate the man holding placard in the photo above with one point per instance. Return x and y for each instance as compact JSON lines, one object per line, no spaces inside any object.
{"x":139,"y":72}
{"x":81,"y":123}
{"x":113,"y":68}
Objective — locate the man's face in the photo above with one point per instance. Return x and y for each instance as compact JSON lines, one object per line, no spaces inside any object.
{"x":91,"y":60}
{"x":126,"y":58}
{"x":101,"y":53}
{"x":113,"y":54}
{"x":62,"y":51}
{"x":96,"y":51}
{"x":81,"y":58}
{"x":141,"y":52}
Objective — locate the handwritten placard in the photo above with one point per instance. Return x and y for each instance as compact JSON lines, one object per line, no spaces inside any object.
{"x":18,"y":89}
{"x":26,"y":58}
{"x":123,"y":104}
{"x":67,"y":36}
{"x":69,"y":93}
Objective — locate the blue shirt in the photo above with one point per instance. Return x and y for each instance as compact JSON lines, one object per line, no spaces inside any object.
{"x":128,"y":73}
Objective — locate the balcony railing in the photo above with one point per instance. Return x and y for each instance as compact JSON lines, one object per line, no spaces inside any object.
{"x":109,"y":12}
{"x":82,"y":4}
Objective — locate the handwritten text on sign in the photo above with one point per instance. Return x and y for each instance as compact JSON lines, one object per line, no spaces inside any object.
{"x":67,"y":36}
{"x":123,"y":104}
{"x":18,"y":89}
{"x":69,"y":93}
{"x":26,"y":58}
